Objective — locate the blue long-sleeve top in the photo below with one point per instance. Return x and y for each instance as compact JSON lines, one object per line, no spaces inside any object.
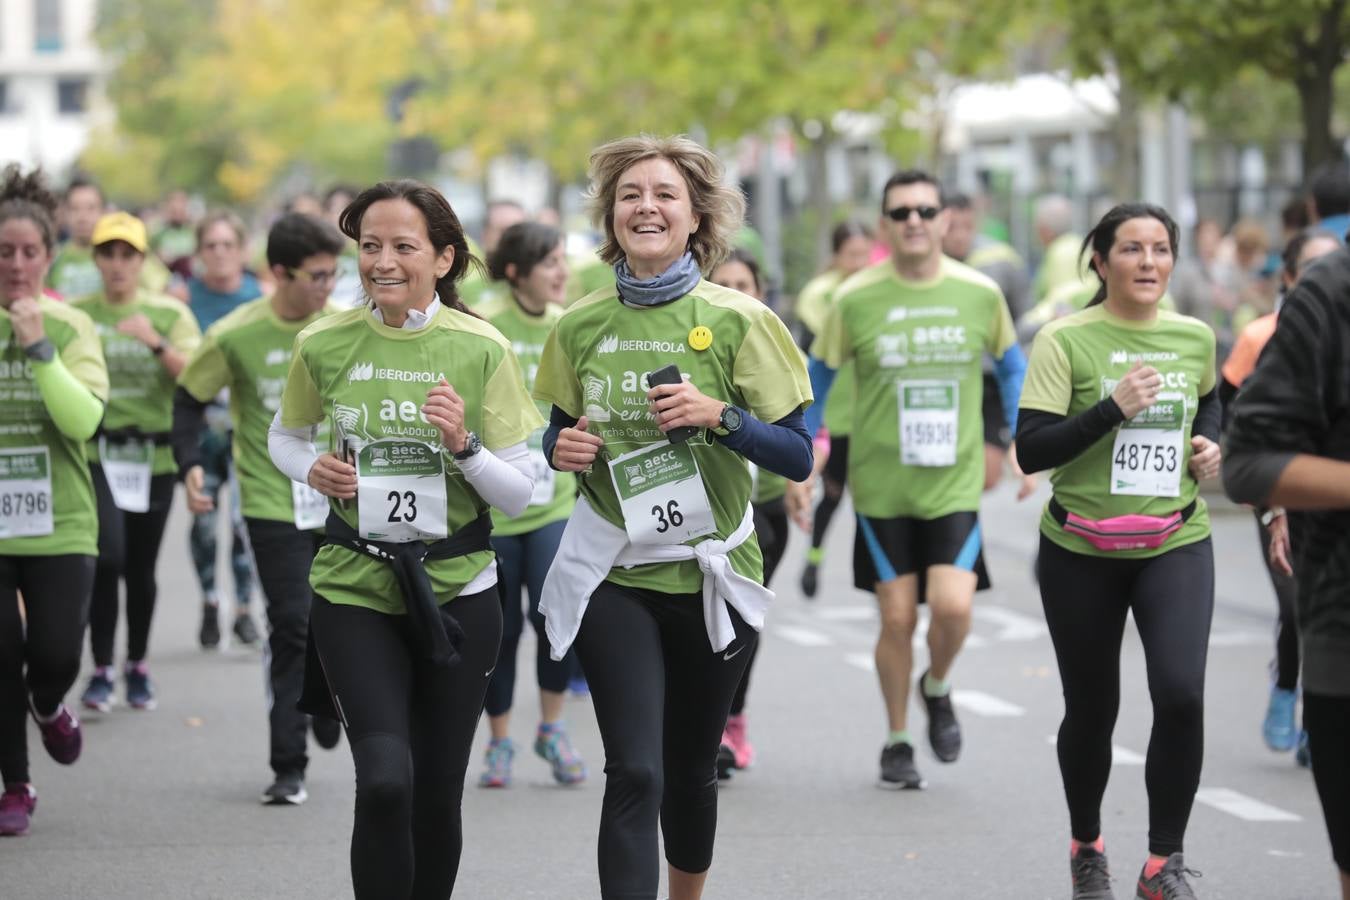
{"x":782,"y":447}
{"x":1010,"y":369}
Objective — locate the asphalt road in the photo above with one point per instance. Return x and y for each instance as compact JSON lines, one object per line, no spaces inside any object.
{"x":164,"y":804}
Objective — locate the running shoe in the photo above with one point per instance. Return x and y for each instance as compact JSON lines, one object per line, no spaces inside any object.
{"x":327,"y":732}
{"x":244,"y":629}
{"x":287,"y":790}
{"x":99,"y":694}
{"x":735,"y":736}
{"x":499,"y":754}
{"x":944,"y":732}
{"x":1091,"y":875}
{"x":898,"y":770}
{"x":61,"y":736}
{"x":1303,"y":755}
{"x":553,"y":746}
{"x":140,"y":692}
{"x":726,"y":760}
{"x":209,"y":634}
{"x":17,"y":804}
{"x":1169,"y":883}
{"x":809,"y":581}
{"x":1278,"y":729}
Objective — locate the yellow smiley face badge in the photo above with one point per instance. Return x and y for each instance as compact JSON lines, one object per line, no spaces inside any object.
{"x":701,"y":337}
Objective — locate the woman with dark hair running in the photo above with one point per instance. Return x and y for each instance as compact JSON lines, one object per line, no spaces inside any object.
{"x":1120,"y":401}
{"x":54,"y":383}
{"x":429,"y":419}
{"x":529,"y":260}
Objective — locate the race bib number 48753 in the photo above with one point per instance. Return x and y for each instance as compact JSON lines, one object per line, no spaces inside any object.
{"x":400,"y":492}
{"x":1149,"y":453}
{"x":25,"y":492}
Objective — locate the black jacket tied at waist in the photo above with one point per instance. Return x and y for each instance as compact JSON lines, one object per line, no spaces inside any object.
{"x":438,"y":632}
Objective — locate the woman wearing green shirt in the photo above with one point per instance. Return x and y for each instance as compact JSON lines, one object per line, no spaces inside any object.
{"x":529,"y":261}
{"x":146,"y":341}
{"x":430,"y":420}
{"x":663,"y":389}
{"x":53,"y":382}
{"x":1119,"y":399}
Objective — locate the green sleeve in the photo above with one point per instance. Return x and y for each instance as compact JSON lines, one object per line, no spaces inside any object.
{"x":301,"y":405}
{"x":831,"y":345}
{"x":1048,"y":386}
{"x":556,"y":381}
{"x":74,"y":409}
{"x":769,"y":370}
{"x":207,"y":370}
{"x":184,"y":334}
{"x":509,"y":415}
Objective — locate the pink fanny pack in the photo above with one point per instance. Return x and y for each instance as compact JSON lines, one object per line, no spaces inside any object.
{"x":1131,"y":532}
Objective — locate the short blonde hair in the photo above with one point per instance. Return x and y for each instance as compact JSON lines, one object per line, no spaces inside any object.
{"x":719,"y":207}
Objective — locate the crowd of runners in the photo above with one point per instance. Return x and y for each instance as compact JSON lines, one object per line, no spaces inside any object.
{"x":425,"y":443}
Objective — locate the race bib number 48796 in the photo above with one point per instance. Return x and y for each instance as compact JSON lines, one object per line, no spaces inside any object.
{"x":25,"y":492}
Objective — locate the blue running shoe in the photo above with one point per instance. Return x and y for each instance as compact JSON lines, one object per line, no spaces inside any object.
{"x":99,"y":695}
{"x":1303,"y":755}
{"x":140,"y":691}
{"x":498,"y":758}
{"x":553,"y":746}
{"x":1278,"y":729}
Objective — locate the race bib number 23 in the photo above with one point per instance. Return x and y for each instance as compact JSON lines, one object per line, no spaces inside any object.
{"x":400,"y":491}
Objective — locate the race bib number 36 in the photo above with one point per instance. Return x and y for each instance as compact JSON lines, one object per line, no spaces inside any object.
{"x":928,"y":416}
{"x":662,"y":496}
{"x":25,"y":492}
{"x":1148,"y":455}
{"x":400,"y":492}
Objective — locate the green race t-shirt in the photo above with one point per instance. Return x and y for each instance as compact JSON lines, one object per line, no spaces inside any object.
{"x":916,"y":350}
{"x":140,"y":392}
{"x":75,"y":274}
{"x":31,"y":447}
{"x":813,"y":309}
{"x":1076,"y":362}
{"x":527,"y":334}
{"x":814,"y":300}
{"x":370,"y":381}
{"x":596,"y":364}
{"x":249,"y":352}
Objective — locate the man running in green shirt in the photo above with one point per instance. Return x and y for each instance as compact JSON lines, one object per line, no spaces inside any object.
{"x":249,"y":352}
{"x":915,"y":327}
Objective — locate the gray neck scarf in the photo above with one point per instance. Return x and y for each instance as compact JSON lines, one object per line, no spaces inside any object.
{"x":671,"y":284}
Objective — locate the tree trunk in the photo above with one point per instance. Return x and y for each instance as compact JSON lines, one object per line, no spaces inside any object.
{"x":818,"y":194}
{"x":1317,"y":91}
{"x":1124,"y":178}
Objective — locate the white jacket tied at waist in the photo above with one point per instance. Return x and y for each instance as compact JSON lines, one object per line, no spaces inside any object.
{"x":591,"y":547}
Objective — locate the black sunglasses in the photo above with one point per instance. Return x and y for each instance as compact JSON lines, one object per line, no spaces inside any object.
{"x":901,"y":213}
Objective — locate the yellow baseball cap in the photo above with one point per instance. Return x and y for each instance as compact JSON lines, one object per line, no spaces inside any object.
{"x":121,"y":226}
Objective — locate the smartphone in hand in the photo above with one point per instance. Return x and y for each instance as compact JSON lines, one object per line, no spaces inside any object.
{"x":671,"y":375}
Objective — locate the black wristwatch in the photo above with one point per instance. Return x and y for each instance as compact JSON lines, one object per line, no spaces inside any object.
{"x":41,"y":350}
{"x":471,"y":447}
{"x":730,"y":421}
{"x":158,"y":349}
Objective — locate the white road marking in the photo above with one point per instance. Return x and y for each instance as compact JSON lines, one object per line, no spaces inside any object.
{"x":802,"y":637}
{"x":1120,"y":756}
{"x":983,"y":704}
{"x":846,"y":613}
{"x":863,"y":661}
{"x":1015,"y":626}
{"x":1242,"y":806}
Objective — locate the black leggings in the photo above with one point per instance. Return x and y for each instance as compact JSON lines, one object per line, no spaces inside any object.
{"x":661,"y":698}
{"x":1328,"y":722}
{"x":408,"y":722}
{"x":44,"y":659}
{"x":523,"y":561}
{"x":835,"y":479}
{"x":771,"y":530}
{"x":1086,"y":599}
{"x":128,"y":548}
{"x":1286,"y":626}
